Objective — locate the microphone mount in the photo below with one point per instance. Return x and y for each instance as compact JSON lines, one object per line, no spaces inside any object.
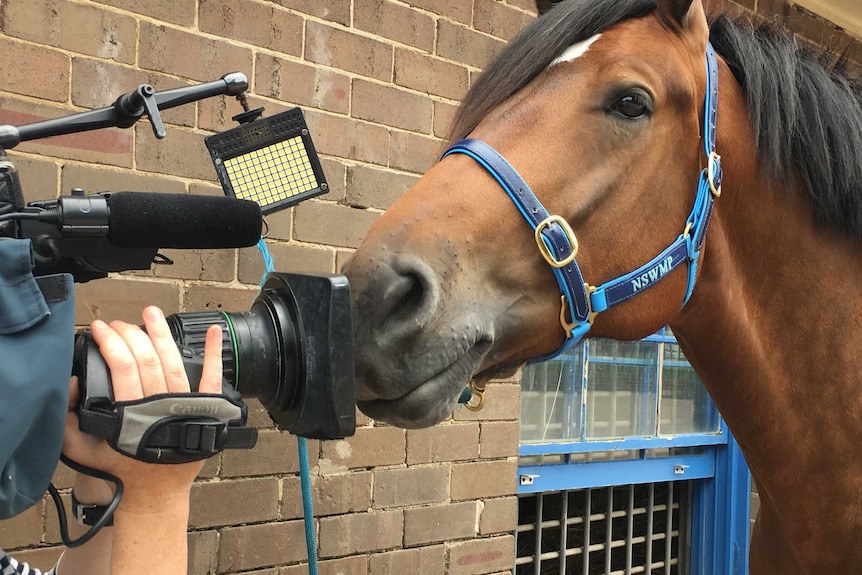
{"x":126,"y":110}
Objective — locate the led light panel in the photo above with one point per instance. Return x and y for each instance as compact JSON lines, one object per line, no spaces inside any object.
{"x":270,"y":160}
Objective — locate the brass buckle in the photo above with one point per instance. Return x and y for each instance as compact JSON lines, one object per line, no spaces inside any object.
{"x":477,"y":392}
{"x":710,"y":173}
{"x":546,"y":251}
{"x":564,"y":307}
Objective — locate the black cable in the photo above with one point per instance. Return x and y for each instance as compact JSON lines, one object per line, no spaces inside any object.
{"x":61,"y":510}
{"x":22,"y":216}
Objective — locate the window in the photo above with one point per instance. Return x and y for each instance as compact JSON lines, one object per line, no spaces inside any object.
{"x":624,"y":463}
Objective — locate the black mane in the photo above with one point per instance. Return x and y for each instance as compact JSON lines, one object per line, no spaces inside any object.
{"x":806,"y":115}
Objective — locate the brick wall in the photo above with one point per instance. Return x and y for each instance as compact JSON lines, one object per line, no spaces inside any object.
{"x":378,"y":81}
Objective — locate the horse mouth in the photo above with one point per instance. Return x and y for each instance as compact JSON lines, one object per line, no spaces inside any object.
{"x":433,"y":400}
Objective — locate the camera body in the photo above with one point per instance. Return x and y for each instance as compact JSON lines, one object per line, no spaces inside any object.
{"x":293,"y":351}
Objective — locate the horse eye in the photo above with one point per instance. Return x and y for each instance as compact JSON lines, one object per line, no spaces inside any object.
{"x":632,"y":106}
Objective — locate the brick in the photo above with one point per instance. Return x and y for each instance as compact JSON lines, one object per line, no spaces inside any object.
{"x":98,"y":83}
{"x":347,"y":51}
{"x":344,"y":138}
{"x":341,"y":493}
{"x":817,"y":29}
{"x":181,"y":153}
{"x":286,"y":258}
{"x":431,"y":75}
{"x":369,"y":447}
{"x":201,"y":265}
{"x":275,"y":453}
{"x":301,"y":84}
{"x":52,"y":81}
{"x":106,"y":146}
{"x":257,"y":414}
{"x":256,"y":546}
{"x":499,"y":516}
{"x":357,"y":565}
{"x":419,"y":561}
{"x":217,"y":298}
{"x":396,"y":22}
{"x":187,"y":55}
{"x":40,"y":178}
{"x":241,"y":20}
{"x":330,"y":224}
{"x":335,"y":174}
{"x":439,"y":523}
{"x":337,"y":11}
{"x":211,"y":468}
{"x":498,"y":19}
{"x":413,"y":152}
{"x":203,"y":551}
{"x":360,"y":532}
{"x":499,"y":439}
{"x":23,"y":529}
{"x":95,"y":179}
{"x":391,"y":107}
{"x":124,"y":299}
{"x":175,"y":11}
{"x":481,"y":556}
{"x":503,"y":402}
{"x":527,"y":5}
{"x":443,"y":443}
{"x":464,"y":45}
{"x":411,"y":486}
{"x":483,"y":479}
{"x":233,"y":502}
{"x":369,"y":187}
{"x":444,"y":115}
{"x":455,"y":9}
{"x":75,"y":27}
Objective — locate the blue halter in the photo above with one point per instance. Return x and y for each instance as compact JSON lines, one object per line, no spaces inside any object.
{"x":559,"y":246}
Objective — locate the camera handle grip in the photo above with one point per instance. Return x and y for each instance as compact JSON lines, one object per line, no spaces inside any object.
{"x":163,"y":428}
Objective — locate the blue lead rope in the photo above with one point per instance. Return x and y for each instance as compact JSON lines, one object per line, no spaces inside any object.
{"x":302,"y":445}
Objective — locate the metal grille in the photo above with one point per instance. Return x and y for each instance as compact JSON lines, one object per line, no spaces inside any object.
{"x":620,"y":530}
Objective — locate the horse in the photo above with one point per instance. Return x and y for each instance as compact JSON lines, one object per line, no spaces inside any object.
{"x":718,"y":194}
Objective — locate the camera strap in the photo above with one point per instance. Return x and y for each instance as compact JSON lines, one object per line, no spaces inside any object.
{"x":171,"y":428}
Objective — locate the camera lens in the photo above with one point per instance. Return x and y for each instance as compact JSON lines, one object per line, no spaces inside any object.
{"x":261,"y":349}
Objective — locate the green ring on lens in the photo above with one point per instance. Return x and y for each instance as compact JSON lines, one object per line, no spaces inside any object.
{"x":235,"y":351}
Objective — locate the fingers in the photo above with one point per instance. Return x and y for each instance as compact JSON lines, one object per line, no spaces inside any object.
{"x":211,"y":377}
{"x":120,"y":360}
{"x":147,"y":363}
{"x":174,"y":373}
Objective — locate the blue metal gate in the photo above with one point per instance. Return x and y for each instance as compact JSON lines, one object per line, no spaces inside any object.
{"x":626,"y":467}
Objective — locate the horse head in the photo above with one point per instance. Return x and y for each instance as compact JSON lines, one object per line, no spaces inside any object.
{"x":599,"y":106}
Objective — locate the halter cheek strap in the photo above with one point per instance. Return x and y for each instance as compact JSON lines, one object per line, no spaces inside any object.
{"x":559,"y":246}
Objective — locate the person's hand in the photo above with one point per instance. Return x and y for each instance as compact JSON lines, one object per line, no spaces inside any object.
{"x":142,"y":364}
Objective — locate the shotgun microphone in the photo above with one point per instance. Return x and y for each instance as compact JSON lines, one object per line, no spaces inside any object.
{"x":156,"y":220}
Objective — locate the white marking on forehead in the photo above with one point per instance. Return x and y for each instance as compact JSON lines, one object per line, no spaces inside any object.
{"x":575,"y":51}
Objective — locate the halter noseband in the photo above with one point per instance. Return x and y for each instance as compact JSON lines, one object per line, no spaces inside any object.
{"x":559,"y":246}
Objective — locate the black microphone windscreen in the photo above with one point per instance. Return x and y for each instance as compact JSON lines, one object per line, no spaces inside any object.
{"x":187,"y":221}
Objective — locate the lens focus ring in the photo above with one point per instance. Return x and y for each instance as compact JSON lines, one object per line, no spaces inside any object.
{"x":190,"y":329}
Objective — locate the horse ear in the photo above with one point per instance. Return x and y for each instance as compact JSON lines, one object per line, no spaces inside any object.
{"x":687,"y":15}
{"x":544,"y":5}
{"x":676,"y":12}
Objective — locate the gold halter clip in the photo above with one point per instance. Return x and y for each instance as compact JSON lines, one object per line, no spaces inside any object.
{"x":479,"y":392}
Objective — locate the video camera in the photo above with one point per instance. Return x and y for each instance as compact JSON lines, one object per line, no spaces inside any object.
{"x":293,"y":349}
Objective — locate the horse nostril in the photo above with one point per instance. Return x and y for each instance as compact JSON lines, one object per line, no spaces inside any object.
{"x":411,"y":301}
{"x":411,"y":295}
